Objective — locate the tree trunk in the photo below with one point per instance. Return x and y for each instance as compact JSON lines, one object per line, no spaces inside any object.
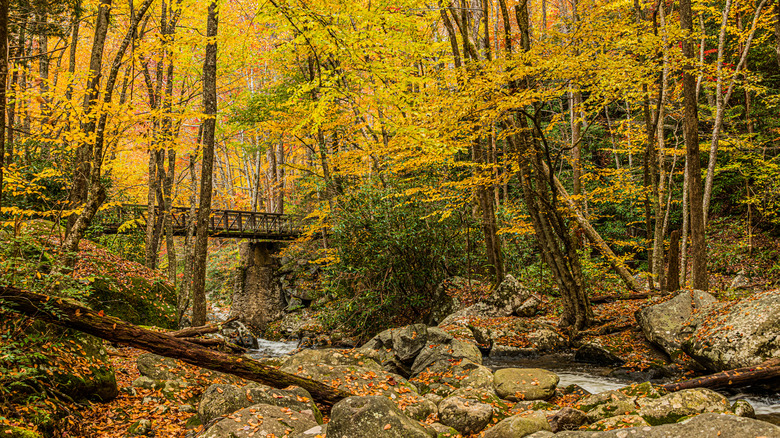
{"x":65,"y":313}
{"x":673,"y":272}
{"x":692,"y":157}
{"x":83,"y":163}
{"x":206,"y":177}
{"x":3,"y":81}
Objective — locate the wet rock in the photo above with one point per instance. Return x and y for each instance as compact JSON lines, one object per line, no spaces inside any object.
{"x":735,"y":335}
{"x":661,"y":323}
{"x":518,"y":384}
{"x":672,"y":407}
{"x":519,"y":426}
{"x":466,"y":416}
{"x":568,"y":419}
{"x":372,"y":417}
{"x":262,"y":420}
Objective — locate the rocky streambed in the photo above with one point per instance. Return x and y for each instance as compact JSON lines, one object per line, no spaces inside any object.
{"x":420,"y":381}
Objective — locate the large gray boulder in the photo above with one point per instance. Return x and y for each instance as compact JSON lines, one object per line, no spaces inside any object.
{"x":262,"y":420}
{"x":672,"y":407}
{"x":372,"y":417}
{"x":519,"y":426}
{"x":443,"y":377}
{"x":661,"y":323}
{"x":518,"y":384}
{"x":450,"y":351}
{"x":464,"y":415}
{"x":508,"y":297}
{"x":328,"y":356}
{"x":219,"y":399}
{"x":701,"y":426}
{"x":739,"y":334}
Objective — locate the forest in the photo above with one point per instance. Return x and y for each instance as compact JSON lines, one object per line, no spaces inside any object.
{"x":567,"y":164}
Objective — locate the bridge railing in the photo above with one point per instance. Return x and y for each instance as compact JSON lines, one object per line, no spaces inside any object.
{"x":225,"y":223}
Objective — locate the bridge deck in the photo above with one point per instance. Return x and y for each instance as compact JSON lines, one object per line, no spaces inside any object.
{"x":222,"y":223}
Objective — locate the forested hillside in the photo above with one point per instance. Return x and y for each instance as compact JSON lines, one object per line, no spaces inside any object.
{"x":596,"y":151}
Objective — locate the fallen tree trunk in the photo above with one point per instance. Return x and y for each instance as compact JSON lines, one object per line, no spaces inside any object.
{"x":737,"y":377}
{"x":194,"y":331}
{"x":67,"y":313}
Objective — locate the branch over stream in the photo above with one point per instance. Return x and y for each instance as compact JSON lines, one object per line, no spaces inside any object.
{"x":67,"y":313}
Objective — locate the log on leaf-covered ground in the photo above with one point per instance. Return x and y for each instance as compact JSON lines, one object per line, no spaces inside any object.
{"x":67,"y":313}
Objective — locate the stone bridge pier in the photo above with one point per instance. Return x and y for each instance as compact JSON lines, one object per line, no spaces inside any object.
{"x":257,"y":296}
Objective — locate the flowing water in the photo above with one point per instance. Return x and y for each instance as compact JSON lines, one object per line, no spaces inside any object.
{"x":596,"y":379}
{"x":272,"y":348}
{"x":592,"y":378}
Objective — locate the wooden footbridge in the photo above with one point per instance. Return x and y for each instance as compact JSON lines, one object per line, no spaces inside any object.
{"x":235,"y":224}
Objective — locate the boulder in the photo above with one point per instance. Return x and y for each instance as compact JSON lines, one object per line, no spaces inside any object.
{"x":518,"y":384}
{"x":219,"y":399}
{"x":442,"y":377}
{"x":158,"y":367}
{"x":372,"y":417}
{"x":595,"y":353}
{"x":701,"y":426}
{"x":262,"y":420}
{"x":239,"y":334}
{"x":661,"y":323}
{"x":519,"y":426}
{"x":500,"y":351}
{"x":464,"y":415}
{"x":85,"y":372}
{"x":508,"y":297}
{"x":618,"y":422}
{"x":408,"y":341}
{"x":674,"y":406}
{"x":328,"y":356}
{"x":568,"y":418}
{"x":450,"y":351}
{"x":546,"y":340}
{"x":739,"y":334}
{"x":607,"y":404}
{"x":529,"y":307}
{"x":317,"y":431}
{"x":743,"y":408}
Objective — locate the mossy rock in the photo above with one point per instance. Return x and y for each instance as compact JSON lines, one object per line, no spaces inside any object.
{"x":18,"y":432}
{"x":82,"y":369}
{"x":141,"y":302}
{"x":645,"y":389}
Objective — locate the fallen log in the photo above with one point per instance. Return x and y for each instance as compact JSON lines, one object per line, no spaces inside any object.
{"x":218,"y":343}
{"x":69,"y":314}
{"x":736,"y":377}
{"x":194,"y":331}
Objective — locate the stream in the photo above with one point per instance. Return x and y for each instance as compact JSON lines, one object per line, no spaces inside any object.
{"x":592,"y":378}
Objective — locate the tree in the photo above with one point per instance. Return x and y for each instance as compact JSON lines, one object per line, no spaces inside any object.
{"x":692,"y":157}
{"x":209,"y":127}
